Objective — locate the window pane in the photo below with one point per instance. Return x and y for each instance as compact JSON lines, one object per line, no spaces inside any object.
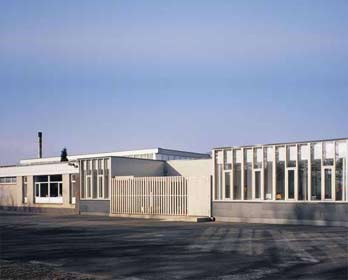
{"x":237,"y":181}
{"x":291,"y":184}
{"x":94,"y":178}
{"x":280,"y":173}
{"x":268,"y":175}
{"x":328,"y":183}
{"x":258,"y":158}
{"x":316,"y":171}
{"x":56,"y":178}
{"x":106,"y":184}
{"x":340,"y":162}
{"x":227,"y":185}
{"x":54,"y":190}
{"x":248,"y":174}
{"x":303,"y":180}
{"x":41,"y":178}
{"x":218,"y":174}
{"x":44,"y":190}
{"x":37,"y":190}
{"x":88,"y":187}
{"x":100,"y":183}
{"x":227,"y":160}
{"x":257,"y":184}
{"x":292,"y":156}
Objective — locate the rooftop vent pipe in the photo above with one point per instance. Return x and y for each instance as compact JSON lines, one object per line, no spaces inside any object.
{"x":40,"y":144}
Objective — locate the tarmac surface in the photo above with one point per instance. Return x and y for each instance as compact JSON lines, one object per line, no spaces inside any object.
{"x":36,"y":246}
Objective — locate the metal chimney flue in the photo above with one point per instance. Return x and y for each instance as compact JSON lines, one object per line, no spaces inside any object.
{"x":39,"y":135}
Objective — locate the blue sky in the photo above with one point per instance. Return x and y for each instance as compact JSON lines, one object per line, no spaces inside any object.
{"x":114,"y":75}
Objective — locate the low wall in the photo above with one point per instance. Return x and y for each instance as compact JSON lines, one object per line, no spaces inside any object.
{"x":99,"y":207}
{"x":330,"y":214}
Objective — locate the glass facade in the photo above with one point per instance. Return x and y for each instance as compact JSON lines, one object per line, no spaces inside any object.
{"x":305,"y":171}
{"x":94,"y":178}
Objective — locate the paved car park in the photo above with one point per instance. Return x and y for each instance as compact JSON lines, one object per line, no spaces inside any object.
{"x":92,"y":247}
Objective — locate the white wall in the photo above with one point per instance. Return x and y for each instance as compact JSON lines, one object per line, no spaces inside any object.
{"x":186,"y":168}
{"x":199,"y":196}
{"x":39,"y":169}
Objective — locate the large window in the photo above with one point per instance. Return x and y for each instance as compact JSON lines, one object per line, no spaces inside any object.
{"x":268,"y":172}
{"x":280,"y":173}
{"x":248,"y":173}
{"x":316,"y":155}
{"x":227,"y":185}
{"x":303,"y":172}
{"x":237,"y":174}
{"x":48,"y":189}
{"x":8,"y":180}
{"x":341,"y":169}
{"x":95,"y":178}
{"x":312,"y":171}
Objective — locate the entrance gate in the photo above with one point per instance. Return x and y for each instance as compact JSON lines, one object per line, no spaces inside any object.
{"x":149,"y":195}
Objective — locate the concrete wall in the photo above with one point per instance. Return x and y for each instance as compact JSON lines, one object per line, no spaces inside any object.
{"x":199,"y":196}
{"x":100,"y":207}
{"x":198,"y":172}
{"x":9,"y":195}
{"x":136,"y":167}
{"x":186,"y":168}
{"x":331,"y":214}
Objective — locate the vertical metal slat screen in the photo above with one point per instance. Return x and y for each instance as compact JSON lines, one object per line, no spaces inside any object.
{"x":149,"y":195}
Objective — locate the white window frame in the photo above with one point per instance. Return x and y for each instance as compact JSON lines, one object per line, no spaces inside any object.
{"x":49,"y":199}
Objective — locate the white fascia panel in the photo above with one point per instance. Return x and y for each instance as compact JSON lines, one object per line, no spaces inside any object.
{"x":42,"y":169}
{"x":84,"y":156}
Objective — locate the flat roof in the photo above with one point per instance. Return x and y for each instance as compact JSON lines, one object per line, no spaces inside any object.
{"x":283,"y":143}
{"x":110,"y":154}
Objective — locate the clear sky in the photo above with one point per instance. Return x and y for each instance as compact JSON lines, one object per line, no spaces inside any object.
{"x":113,"y":75}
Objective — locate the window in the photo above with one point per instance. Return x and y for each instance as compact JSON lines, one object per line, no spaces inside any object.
{"x":316,"y":155}
{"x":100,"y":186}
{"x":48,"y":189}
{"x":218,"y":174}
{"x":237,"y":174}
{"x":8,"y":180}
{"x":329,"y":153}
{"x":228,"y":160}
{"x":83,"y":180}
{"x":24,"y":189}
{"x":106,"y":178}
{"x":291,"y":184}
{"x":248,"y":167}
{"x":257,"y":184}
{"x":73,"y":188}
{"x":258,"y":158}
{"x":291,"y":156}
{"x":227,"y":185}
{"x":268,"y":175}
{"x":95,"y":178}
{"x":88,"y":186}
{"x":280,"y":173}
{"x":303,"y":172}
{"x":328,"y":183}
{"x":341,"y":169}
